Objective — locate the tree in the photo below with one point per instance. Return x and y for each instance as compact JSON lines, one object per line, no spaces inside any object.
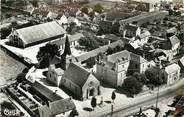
{"x":98,"y":8}
{"x":91,"y":61}
{"x":155,"y":76}
{"x":109,"y":51}
{"x":72,"y":28}
{"x":132,"y":85}
{"x":92,"y":14}
{"x":140,"y":77}
{"x":115,"y":28}
{"x":85,"y":10}
{"x":89,"y":43}
{"x":93,"y":102}
{"x":73,"y":113}
{"x":21,"y":77}
{"x":34,"y":3}
{"x":113,"y":96}
{"x":140,"y":111}
{"x":46,"y":53}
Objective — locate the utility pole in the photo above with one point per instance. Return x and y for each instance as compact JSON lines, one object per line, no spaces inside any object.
{"x":157,"y":97}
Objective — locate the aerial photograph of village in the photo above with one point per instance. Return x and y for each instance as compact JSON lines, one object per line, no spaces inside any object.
{"x":92,"y":58}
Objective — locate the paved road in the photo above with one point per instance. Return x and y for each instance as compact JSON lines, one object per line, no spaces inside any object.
{"x":125,"y":110}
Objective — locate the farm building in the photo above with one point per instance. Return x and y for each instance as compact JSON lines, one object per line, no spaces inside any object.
{"x":37,"y":34}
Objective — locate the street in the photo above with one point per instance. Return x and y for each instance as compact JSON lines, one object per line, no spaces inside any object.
{"x":133,"y":107}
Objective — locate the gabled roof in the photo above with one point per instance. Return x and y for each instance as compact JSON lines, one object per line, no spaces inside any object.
{"x":76,"y":74}
{"x":61,"y":106}
{"x":52,"y":15}
{"x":102,"y":49}
{"x":63,"y":20}
{"x":174,"y":40}
{"x":119,"y":55}
{"x":125,"y":55}
{"x":71,"y":38}
{"x":172,"y":68}
{"x":40,"y":32}
{"x":75,"y":37}
{"x":145,"y":34}
{"x":46,"y":92}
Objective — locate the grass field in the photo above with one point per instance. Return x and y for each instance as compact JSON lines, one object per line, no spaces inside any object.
{"x":9,"y":67}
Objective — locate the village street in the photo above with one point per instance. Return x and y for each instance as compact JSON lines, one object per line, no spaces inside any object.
{"x":123,"y":110}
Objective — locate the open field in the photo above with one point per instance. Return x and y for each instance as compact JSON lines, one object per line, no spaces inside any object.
{"x":9,"y":67}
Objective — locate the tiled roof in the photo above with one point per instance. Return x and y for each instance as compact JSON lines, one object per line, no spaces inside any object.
{"x":125,"y":55}
{"x":102,"y":49}
{"x":46,"y":92}
{"x":119,"y":55}
{"x":61,"y":106}
{"x":76,"y":74}
{"x":145,"y":34}
{"x":71,"y":38}
{"x":40,"y":32}
{"x":172,"y":68}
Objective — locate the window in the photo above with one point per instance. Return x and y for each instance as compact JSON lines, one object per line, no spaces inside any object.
{"x":136,"y":66}
{"x":50,"y":75}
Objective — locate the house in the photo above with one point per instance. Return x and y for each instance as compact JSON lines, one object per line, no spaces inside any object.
{"x":175,"y":44}
{"x":143,"y":37}
{"x":74,"y":20}
{"x":56,"y":108}
{"x":113,"y":68}
{"x":165,"y":55}
{"x":181,"y":63}
{"x":145,"y":17}
{"x":63,"y":20}
{"x":73,"y":39}
{"x":172,"y":73}
{"x":131,"y":31}
{"x":36,"y":34}
{"x":52,"y":15}
{"x":80,"y":82}
{"x":95,"y":52}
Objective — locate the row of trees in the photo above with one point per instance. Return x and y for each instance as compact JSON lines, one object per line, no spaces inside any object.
{"x":108,"y":28}
{"x":94,"y":100}
{"x":134,"y":83}
{"x":89,"y":43}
